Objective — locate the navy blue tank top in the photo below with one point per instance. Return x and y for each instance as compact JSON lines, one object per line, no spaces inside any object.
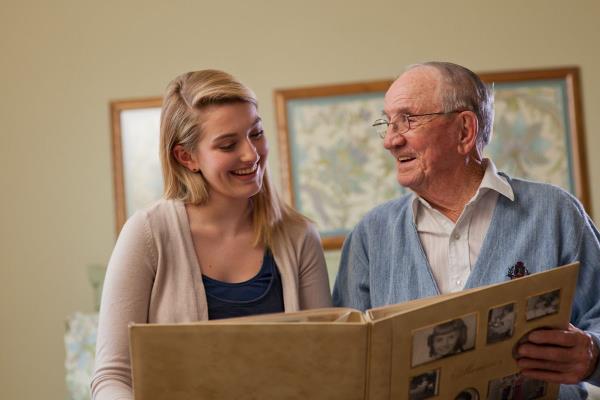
{"x":260,"y":295}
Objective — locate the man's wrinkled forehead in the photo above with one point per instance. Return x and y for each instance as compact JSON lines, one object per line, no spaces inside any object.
{"x":413,"y":91}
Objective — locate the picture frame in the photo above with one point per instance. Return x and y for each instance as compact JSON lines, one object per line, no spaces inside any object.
{"x":554,"y":94}
{"x":334,"y":168}
{"x":137,"y":176}
{"x":337,"y":118}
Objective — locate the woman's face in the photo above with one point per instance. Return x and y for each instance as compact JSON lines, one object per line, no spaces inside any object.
{"x":232,"y":150}
{"x":445,"y":343}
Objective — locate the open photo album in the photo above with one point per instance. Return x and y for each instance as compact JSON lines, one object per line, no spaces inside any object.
{"x":455,"y":346}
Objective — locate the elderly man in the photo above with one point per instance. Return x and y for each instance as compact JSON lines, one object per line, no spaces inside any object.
{"x":466,"y":224}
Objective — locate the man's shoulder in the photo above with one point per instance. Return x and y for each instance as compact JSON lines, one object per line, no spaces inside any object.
{"x":546,"y":198}
{"x":525,"y":188}
{"x":529,"y":185}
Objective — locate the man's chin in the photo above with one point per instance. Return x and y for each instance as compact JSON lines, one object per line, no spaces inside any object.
{"x":408,"y":182}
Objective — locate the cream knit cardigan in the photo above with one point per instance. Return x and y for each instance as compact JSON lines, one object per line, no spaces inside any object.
{"x":153,"y":276}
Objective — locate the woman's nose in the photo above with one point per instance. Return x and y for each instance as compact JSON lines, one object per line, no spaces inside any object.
{"x":249,"y":152}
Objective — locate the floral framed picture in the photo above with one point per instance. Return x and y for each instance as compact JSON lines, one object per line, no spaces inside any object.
{"x":538,"y":128}
{"x":335,"y":169}
{"x":136,"y":165}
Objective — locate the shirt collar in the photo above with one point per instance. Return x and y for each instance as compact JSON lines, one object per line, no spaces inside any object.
{"x":491,"y":181}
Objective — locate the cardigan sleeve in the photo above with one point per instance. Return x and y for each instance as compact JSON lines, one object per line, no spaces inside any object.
{"x":352,"y":283}
{"x":125,"y":299}
{"x":314,"y":289}
{"x":586,"y":304}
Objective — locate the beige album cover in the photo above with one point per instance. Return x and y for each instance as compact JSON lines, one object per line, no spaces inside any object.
{"x":456,"y":346}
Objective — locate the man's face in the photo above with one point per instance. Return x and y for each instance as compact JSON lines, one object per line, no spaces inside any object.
{"x":428,"y":153}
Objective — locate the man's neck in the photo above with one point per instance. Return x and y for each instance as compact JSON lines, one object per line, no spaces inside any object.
{"x":452,"y":195}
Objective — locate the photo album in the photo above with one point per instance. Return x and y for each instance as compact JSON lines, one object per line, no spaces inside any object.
{"x":454,"y":346}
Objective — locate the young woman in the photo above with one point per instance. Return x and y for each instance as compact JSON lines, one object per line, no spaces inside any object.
{"x":220,"y":244}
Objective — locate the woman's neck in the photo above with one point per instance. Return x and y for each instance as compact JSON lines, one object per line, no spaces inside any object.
{"x":221,"y":216}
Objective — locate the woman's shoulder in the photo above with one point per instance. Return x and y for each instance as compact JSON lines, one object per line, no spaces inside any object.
{"x":162,"y":215}
{"x":295,"y":231}
{"x":161,"y":207}
{"x":297,"y":227}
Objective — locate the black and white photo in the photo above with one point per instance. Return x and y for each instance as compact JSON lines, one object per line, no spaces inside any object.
{"x":468,"y":394}
{"x":516,"y":387}
{"x":424,"y":386}
{"x":501,"y":323}
{"x":543,"y":304}
{"x":444,"y":340}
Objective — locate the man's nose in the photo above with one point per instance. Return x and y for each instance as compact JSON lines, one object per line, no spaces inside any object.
{"x":393,"y":139}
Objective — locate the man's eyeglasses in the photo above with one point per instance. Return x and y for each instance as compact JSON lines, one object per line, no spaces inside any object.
{"x":402,"y":124}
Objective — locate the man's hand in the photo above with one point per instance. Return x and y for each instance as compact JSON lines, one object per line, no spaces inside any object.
{"x":558,"y":356}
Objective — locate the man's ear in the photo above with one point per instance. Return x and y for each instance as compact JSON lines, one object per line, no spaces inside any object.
{"x":184,"y":158}
{"x":469,"y":128}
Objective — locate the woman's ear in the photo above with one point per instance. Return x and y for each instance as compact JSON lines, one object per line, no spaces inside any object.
{"x":184,"y":158}
{"x":469,"y":128}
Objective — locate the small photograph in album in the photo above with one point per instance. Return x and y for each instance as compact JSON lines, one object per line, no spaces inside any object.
{"x":544,"y":304}
{"x":424,"y":386}
{"x":468,"y":394}
{"x":444,"y":340}
{"x":501,"y":323}
{"x":516,"y":387}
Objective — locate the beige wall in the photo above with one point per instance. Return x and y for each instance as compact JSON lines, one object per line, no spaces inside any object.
{"x":61,"y":62}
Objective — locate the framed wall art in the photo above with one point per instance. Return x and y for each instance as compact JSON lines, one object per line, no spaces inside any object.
{"x":136,"y":164}
{"x":538,"y":128}
{"x":335,"y":169}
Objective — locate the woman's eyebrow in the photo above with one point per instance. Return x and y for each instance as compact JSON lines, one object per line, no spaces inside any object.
{"x":224,"y":136}
{"x":231,"y":134}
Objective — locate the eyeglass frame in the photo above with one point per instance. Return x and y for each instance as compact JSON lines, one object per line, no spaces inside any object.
{"x":382,"y":121}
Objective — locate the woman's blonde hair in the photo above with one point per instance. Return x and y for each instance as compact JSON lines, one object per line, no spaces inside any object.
{"x":186,"y":96}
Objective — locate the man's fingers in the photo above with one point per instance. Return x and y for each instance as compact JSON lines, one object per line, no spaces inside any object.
{"x":555,"y":337}
{"x":528,"y":363}
{"x":548,"y":353}
{"x":551,"y":376}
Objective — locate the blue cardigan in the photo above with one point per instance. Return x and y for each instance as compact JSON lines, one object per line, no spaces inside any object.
{"x":384,"y":263}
